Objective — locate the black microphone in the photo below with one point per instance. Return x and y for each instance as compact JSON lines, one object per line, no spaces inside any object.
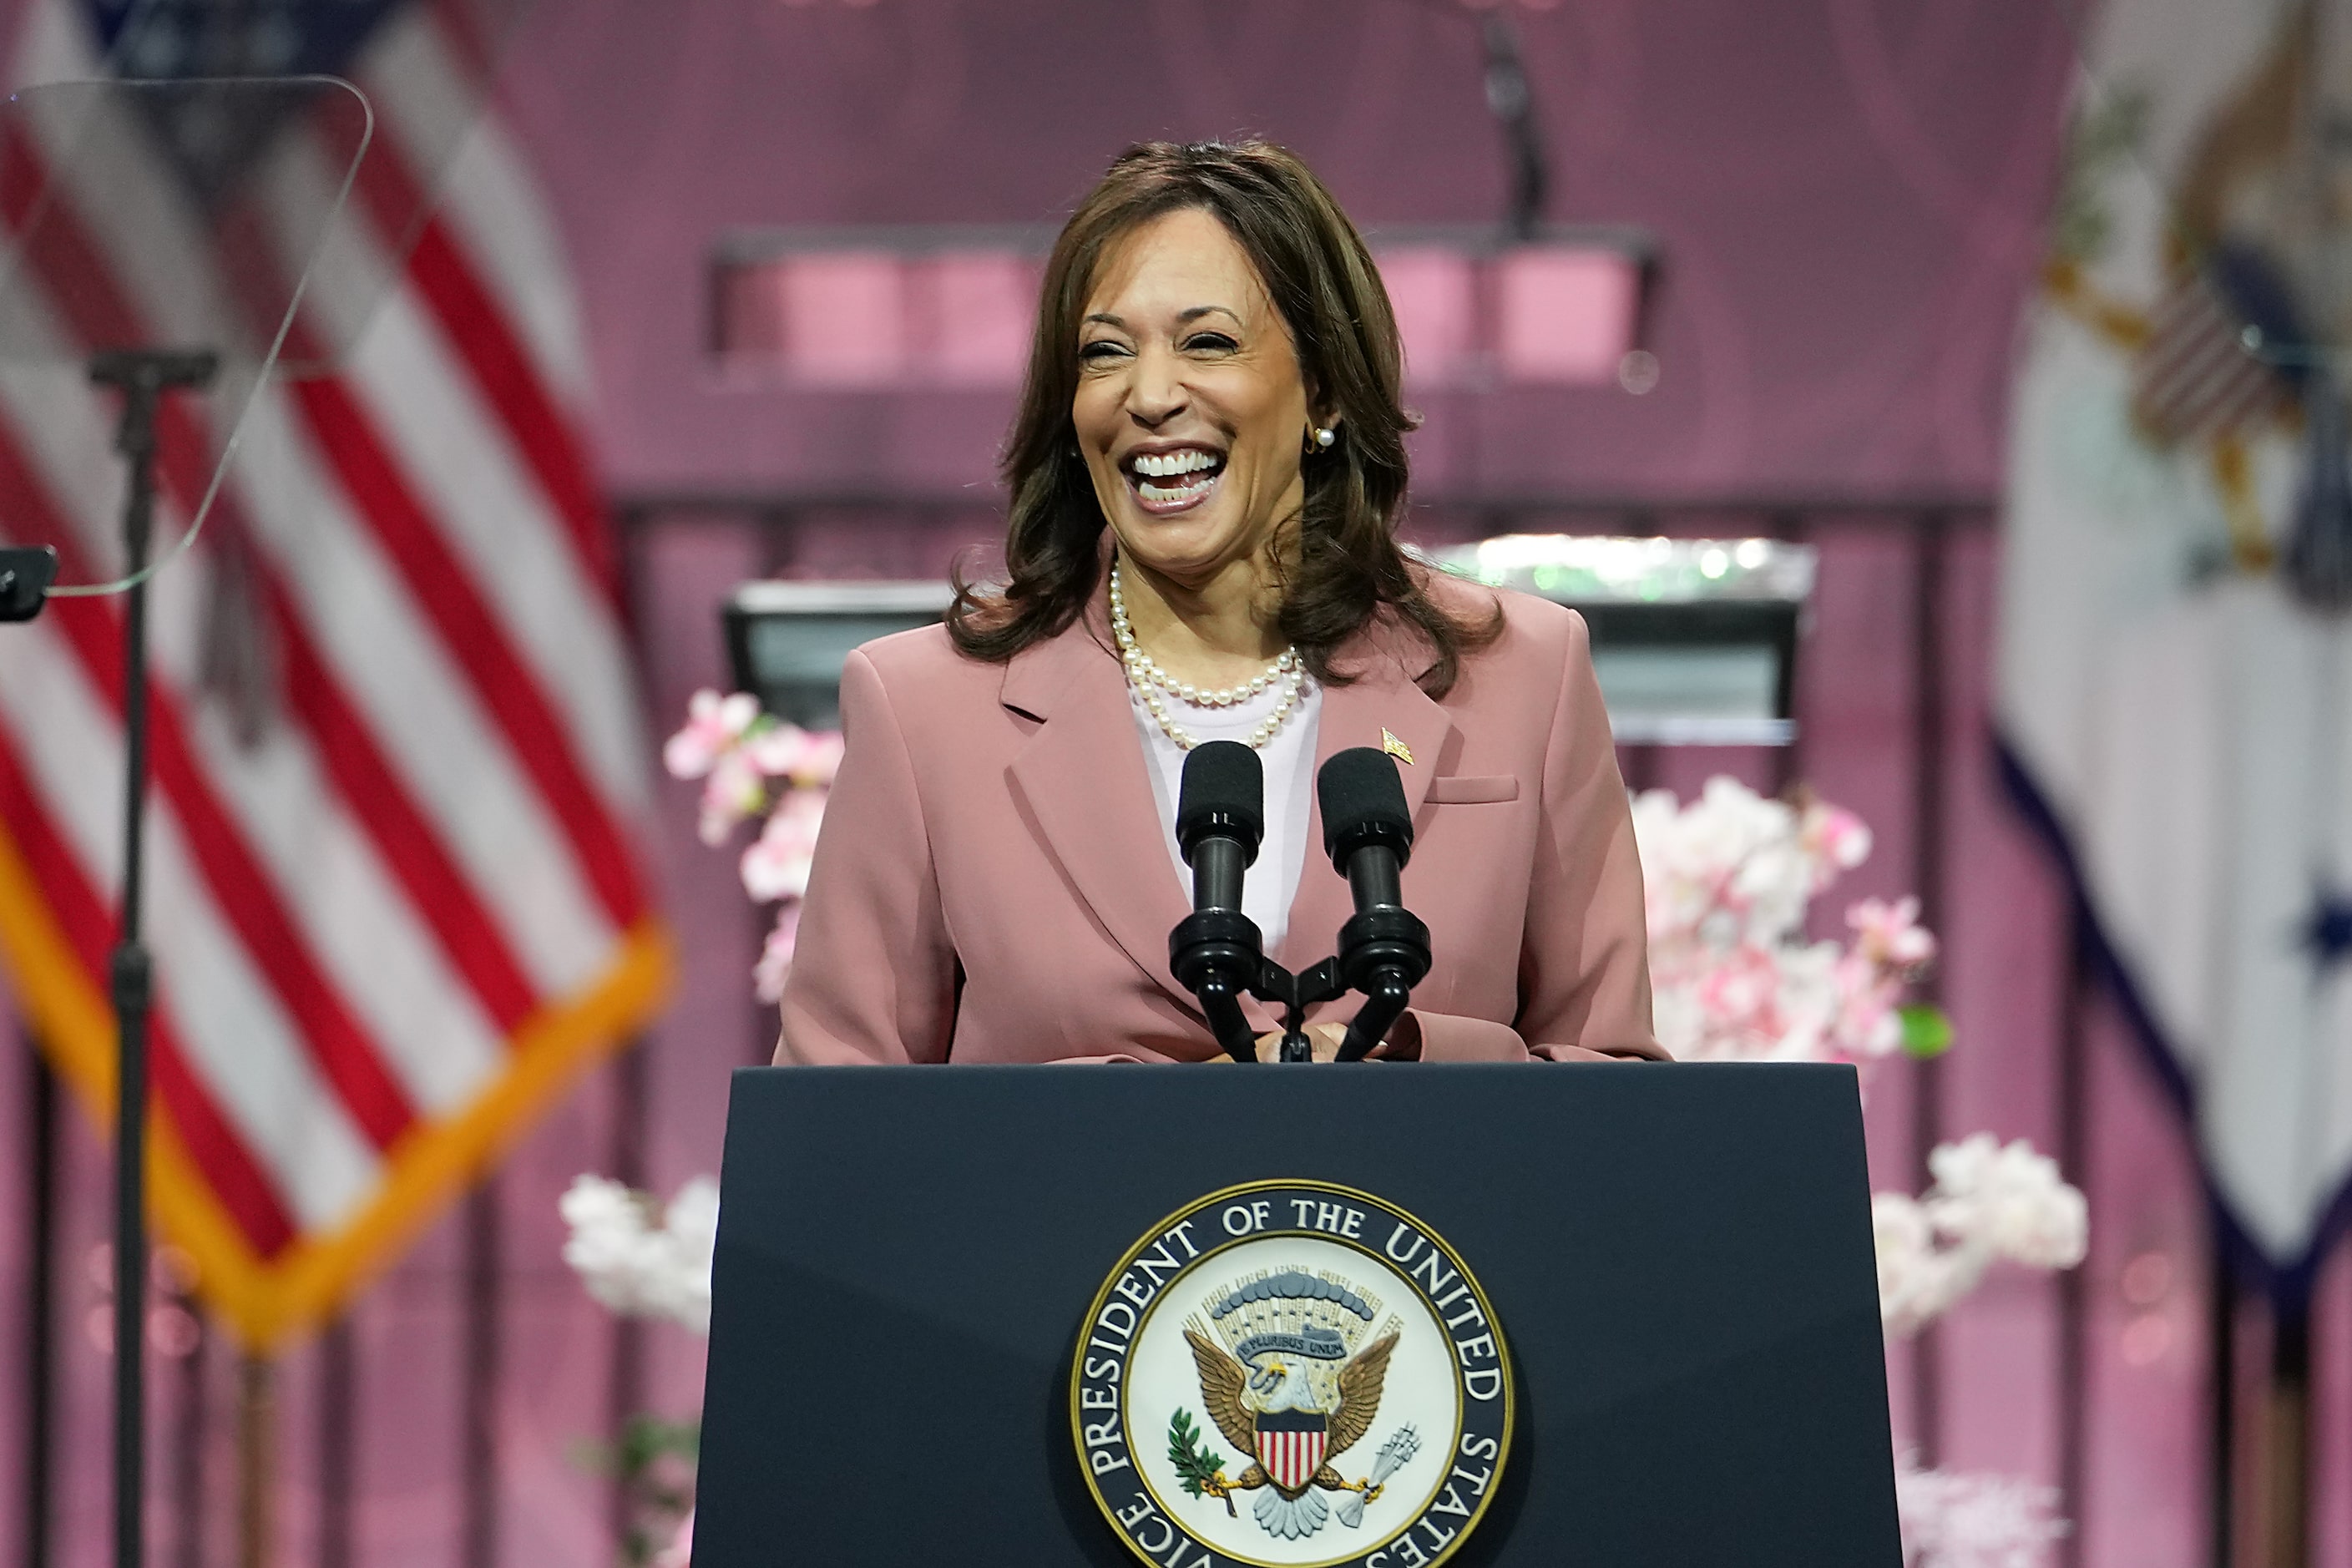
{"x":1366,"y":829}
{"x":1368,"y":832}
{"x":1215,"y":951}
{"x":1220,"y":820}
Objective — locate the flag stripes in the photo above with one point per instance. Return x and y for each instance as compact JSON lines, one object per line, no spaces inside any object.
{"x":249,"y":1195}
{"x":2198,"y":379}
{"x":413,"y":541}
{"x":1290,"y":1447}
{"x":476,"y":328}
{"x":423,"y":95}
{"x":342,"y":1053}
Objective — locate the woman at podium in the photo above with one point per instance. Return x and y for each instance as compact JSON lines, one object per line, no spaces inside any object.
{"x":1206,"y":474}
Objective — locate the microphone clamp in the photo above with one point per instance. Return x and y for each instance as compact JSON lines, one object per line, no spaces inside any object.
{"x":1385,"y":954}
{"x":1214,"y":954}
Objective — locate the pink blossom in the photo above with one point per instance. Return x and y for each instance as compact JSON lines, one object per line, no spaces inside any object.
{"x":1868,"y":1023}
{"x":714,"y":725}
{"x":1835,"y":839}
{"x":820,"y":758}
{"x":679,"y":1552}
{"x":776,"y":954}
{"x":776,"y":866}
{"x":1728,"y":879}
{"x":1890,"y":935}
{"x":1871,"y":1026}
{"x":808,"y":758}
{"x":733,"y":791}
{"x":1740,"y":988}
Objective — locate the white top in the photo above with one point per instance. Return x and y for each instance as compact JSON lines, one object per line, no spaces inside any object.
{"x":1289,"y":762}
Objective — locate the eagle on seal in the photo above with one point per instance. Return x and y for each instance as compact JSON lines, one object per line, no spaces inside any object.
{"x":1267,"y":1408}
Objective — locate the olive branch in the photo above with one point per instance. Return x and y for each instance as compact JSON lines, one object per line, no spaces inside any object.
{"x":1199,"y":1467}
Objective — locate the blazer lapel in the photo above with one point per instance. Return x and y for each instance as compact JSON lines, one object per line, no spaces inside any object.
{"x":1383,"y":696}
{"x":1082,"y":778}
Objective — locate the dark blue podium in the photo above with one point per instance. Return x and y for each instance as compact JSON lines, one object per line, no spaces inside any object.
{"x":1679,"y":1258}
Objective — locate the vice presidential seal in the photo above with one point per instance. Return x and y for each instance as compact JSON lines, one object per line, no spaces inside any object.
{"x":1292,"y":1374}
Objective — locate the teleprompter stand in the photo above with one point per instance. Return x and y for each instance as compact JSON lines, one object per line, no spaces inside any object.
{"x":1679,"y":1258}
{"x":143,"y":377}
{"x":178,"y":366}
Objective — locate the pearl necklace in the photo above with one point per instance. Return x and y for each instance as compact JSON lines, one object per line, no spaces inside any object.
{"x":1149,"y":680}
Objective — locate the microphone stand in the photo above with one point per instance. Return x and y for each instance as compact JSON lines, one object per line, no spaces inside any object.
{"x":1214,"y":954}
{"x":1387,"y":993}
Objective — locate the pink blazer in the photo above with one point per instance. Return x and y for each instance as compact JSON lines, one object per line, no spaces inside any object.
{"x":991,"y":884}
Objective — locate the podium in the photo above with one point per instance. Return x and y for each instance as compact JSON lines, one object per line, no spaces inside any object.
{"x":918,"y":1332}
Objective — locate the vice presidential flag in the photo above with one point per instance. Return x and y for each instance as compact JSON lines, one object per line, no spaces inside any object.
{"x":392,"y":897}
{"x":2175,"y":689}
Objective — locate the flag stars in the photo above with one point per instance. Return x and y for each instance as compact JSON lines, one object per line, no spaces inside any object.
{"x":2328,"y":929}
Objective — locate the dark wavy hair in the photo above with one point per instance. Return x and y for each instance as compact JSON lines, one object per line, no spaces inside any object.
{"x":1347,"y":567}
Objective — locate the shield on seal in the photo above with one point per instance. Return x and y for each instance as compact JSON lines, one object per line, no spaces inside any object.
{"x":1290,"y":1445}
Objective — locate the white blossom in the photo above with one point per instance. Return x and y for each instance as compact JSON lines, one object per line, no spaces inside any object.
{"x":1916,"y":1281}
{"x":1990,"y":1204}
{"x":2011,"y":1198}
{"x":1969,"y":1520}
{"x":639,"y":1258}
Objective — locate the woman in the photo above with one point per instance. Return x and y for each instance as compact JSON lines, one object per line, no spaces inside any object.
{"x":1207,"y":473}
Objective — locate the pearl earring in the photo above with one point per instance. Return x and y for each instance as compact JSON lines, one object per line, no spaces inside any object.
{"x":1325,"y":436}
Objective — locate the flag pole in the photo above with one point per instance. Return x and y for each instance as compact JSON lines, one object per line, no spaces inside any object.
{"x":141,"y":375}
{"x":256,"y":1458}
{"x":2288,"y":1448}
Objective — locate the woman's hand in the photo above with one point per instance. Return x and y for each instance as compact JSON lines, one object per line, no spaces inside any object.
{"x":1403,"y":1043}
{"x":1324,"y":1038}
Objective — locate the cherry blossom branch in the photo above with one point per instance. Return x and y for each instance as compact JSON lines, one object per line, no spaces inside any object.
{"x":752,"y":765}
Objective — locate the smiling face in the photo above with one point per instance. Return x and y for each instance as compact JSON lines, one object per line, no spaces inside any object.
{"x":1190,"y":410}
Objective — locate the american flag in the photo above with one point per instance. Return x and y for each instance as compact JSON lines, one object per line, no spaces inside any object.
{"x":2212,"y":362}
{"x":393,"y":899}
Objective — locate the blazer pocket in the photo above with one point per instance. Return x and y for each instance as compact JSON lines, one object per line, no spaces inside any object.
{"x":1467,"y":790}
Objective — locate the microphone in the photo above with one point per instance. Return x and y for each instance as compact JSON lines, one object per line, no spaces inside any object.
{"x":1216,"y":950}
{"x":1368,"y":832}
{"x":1220,"y":820}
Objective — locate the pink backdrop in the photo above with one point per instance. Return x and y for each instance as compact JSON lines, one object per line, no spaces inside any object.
{"x":1848,"y":194}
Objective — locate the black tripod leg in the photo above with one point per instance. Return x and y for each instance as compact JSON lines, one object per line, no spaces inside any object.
{"x":1384,"y":1004}
{"x":1227,"y":1023}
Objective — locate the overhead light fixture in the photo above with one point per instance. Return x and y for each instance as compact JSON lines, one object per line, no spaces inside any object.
{"x":868,"y":309}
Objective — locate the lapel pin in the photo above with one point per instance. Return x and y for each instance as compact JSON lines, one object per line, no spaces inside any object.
{"x":1396,"y":748}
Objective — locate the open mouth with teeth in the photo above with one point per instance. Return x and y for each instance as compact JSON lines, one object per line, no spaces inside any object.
{"x":1173,"y":482}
